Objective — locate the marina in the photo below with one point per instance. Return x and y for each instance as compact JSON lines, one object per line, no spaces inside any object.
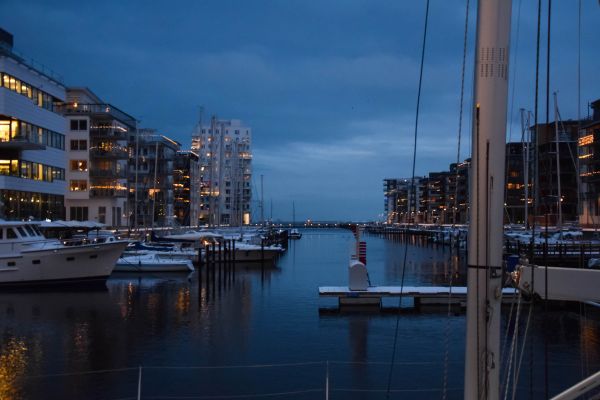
{"x":193,"y":336}
{"x":142,"y":258}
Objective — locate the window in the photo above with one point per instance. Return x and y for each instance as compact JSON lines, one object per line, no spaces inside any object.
{"x":79,"y":214}
{"x":29,"y":230}
{"x":78,"y":124}
{"x":22,"y":231}
{"x":76,"y":185}
{"x":10,"y":233}
{"x":79,"y":165}
{"x":102,"y":214}
{"x":39,"y":97}
{"x":78,"y":144}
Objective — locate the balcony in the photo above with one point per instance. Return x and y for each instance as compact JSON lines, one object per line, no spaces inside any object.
{"x":101,"y":110}
{"x":108,"y":133}
{"x":108,"y":192}
{"x":119,"y":153}
{"x":21,"y":143}
{"x":108,"y":173}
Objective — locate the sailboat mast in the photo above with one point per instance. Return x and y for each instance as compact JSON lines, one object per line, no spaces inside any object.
{"x":482,"y":358}
{"x":559,"y":194}
{"x":525,"y":147}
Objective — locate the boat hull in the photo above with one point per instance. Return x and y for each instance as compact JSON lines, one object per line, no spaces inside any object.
{"x":60,"y":266}
{"x":145,"y":266}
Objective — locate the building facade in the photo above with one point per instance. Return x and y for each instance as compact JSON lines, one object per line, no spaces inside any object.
{"x":32,"y":139}
{"x":225,"y":151}
{"x":186,"y":188}
{"x":589,"y":168}
{"x":97,"y":156}
{"x":151,"y":180}
{"x":557,"y":189}
{"x":516,"y":160}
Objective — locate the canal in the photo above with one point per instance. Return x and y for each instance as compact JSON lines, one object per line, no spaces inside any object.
{"x":266,"y":334}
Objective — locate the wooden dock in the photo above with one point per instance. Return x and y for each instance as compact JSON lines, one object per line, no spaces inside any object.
{"x":421,"y":295}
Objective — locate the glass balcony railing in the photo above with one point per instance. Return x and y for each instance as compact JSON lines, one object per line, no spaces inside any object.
{"x":108,"y":173}
{"x":114,"y":152}
{"x":108,"y":192}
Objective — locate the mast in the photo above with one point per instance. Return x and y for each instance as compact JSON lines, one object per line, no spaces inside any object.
{"x":482,"y":358}
{"x":525,"y":146}
{"x":211,"y":148}
{"x":559,"y":197}
{"x":135,"y":192}
{"x":262,"y":202}
{"x":154,"y":186}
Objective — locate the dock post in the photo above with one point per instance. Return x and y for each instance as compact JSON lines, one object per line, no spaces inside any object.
{"x":214,"y":259}
{"x":220,"y":266}
{"x":327,"y":380}
{"x":262,"y":253}
{"x":139,"y":388}
{"x":200,"y":257}
{"x":233,"y":266}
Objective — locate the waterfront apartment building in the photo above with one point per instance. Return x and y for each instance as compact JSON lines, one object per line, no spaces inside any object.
{"x":151,"y":184}
{"x":224,"y":148}
{"x":400,"y":205}
{"x":516,"y":159}
{"x":557,"y":189}
{"x":186,"y":187}
{"x":97,"y":153}
{"x":589,"y":171}
{"x":32,"y":139}
{"x":457,"y":196}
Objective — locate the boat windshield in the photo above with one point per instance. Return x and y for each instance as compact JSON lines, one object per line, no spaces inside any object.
{"x":22,"y":231}
{"x":30,"y":230}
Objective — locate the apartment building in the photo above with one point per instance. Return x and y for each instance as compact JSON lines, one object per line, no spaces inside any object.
{"x":186,"y":187}
{"x":32,"y":138}
{"x":97,"y":154}
{"x":224,"y":149}
{"x":150,"y":177}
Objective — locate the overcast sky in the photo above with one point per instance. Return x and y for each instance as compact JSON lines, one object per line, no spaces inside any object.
{"x":329,"y":88}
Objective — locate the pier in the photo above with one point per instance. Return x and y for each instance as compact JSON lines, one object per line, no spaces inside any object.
{"x":421,"y":295}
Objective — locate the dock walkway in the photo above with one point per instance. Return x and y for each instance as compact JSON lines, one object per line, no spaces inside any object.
{"x":430,"y":295}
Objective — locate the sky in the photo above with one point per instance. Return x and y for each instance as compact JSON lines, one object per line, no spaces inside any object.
{"x":328,"y":87}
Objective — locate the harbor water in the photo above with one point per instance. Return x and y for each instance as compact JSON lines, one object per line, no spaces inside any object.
{"x":264,"y":333}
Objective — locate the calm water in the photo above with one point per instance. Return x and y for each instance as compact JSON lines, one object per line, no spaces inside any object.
{"x":169,"y":324}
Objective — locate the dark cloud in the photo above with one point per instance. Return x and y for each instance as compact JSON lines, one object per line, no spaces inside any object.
{"x":328,"y":87}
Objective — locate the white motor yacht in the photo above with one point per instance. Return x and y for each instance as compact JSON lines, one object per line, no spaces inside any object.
{"x":27,"y":258}
{"x":152,"y":262}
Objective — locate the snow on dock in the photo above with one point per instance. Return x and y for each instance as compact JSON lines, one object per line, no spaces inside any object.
{"x":430,"y":295}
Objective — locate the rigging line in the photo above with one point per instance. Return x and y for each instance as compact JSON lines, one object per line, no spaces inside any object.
{"x":412,"y":193}
{"x":477,"y":250}
{"x":460,"y":118}
{"x":546,"y":369}
{"x":536,"y":194}
{"x":460,"y":114}
{"x":518,"y":366}
{"x":513,"y":343}
{"x":489,"y":186}
{"x":513,"y":71}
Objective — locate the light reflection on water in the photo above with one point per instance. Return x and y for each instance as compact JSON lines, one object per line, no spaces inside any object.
{"x":268,"y":316}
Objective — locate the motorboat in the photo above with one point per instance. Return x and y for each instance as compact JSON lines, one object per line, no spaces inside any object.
{"x":295,"y":234}
{"x":28,"y":258}
{"x":153,"y":262}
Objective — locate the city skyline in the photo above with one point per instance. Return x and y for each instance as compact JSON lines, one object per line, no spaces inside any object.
{"x":328,"y":90}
